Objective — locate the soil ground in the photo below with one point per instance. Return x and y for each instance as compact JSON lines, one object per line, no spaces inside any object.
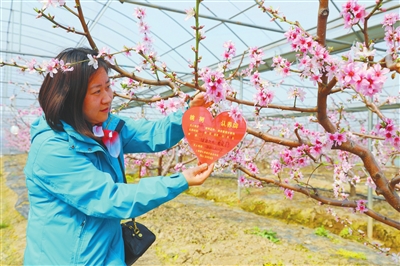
{"x":208,"y":225}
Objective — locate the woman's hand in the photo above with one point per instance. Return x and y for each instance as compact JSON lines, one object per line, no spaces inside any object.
{"x":199,"y":100}
{"x":197,"y":175}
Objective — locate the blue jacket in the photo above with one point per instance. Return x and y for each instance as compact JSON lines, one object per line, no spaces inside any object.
{"x":77,"y":195}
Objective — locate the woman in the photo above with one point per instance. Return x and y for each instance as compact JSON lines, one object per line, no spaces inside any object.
{"x":76,"y":191}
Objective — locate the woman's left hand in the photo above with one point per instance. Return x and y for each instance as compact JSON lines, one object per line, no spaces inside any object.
{"x":199,"y":100}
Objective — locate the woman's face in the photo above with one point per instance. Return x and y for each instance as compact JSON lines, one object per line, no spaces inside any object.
{"x":97,"y":102}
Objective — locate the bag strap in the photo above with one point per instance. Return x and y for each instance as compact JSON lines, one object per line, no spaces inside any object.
{"x":118,"y":128}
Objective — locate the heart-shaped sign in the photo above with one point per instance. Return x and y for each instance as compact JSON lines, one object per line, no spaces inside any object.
{"x":211,"y":138}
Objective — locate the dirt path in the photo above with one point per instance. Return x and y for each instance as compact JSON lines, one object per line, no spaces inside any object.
{"x":193,"y":231}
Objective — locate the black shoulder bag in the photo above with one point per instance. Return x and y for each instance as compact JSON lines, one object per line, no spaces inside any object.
{"x":137,"y":237}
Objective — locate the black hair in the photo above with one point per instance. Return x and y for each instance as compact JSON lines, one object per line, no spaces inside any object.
{"x":61,"y":96}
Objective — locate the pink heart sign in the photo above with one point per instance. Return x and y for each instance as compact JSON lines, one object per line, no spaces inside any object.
{"x":211,"y":138}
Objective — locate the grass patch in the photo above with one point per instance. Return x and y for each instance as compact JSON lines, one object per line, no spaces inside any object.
{"x":351,"y":255}
{"x":268,"y":234}
{"x":3,"y":225}
{"x":13,"y":224}
{"x":345,"y":233}
{"x":321,"y":231}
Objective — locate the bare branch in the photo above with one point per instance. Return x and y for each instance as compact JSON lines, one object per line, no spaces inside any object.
{"x":273,"y":139}
{"x":313,"y":193}
{"x":395,"y":182}
{"x":169,"y":163}
{"x":84,"y":26}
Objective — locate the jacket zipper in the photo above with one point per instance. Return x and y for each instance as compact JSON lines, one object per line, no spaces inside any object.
{"x":82,"y":228}
{"x":77,"y":256}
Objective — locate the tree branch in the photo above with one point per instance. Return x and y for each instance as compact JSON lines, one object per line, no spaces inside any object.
{"x":395,"y":182}
{"x":273,"y":139}
{"x":84,"y":26}
{"x":313,"y":193}
{"x":388,"y":62}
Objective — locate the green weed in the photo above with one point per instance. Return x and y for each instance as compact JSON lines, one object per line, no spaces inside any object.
{"x":2,"y":226}
{"x":268,"y":234}
{"x":351,"y":254}
{"x":345,"y":233}
{"x":321,"y":231}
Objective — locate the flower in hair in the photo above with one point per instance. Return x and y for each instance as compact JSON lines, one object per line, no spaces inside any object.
{"x":93,"y":61}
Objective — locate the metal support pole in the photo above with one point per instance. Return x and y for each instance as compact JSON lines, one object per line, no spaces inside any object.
{"x":369,"y":204}
{"x":238,"y":171}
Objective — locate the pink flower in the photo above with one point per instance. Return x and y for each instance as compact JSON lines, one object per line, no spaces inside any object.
{"x":353,"y":13}
{"x":276,"y":166}
{"x":140,"y":13}
{"x":370,"y":183}
{"x":105,"y":53}
{"x":144,"y":27}
{"x":31,"y":66}
{"x":47,"y":3}
{"x":161,"y":106}
{"x":172,"y":105}
{"x":361,"y":206}
{"x":337,"y":138}
{"x":288,"y":193}
{"x":242,"y":181}
{"x":252,"y":167}
{"x":340,"y":138}
{"x":140,"y":48}
{"x":179,"y":167}
{"x":215,"y":84}
{"x":296,"y":92}
{"x":65,"y":67}
{"x":189,"y":13}
{"x":93,"y":61}
{"x":230,"y":50}
{"x":52,"y":66}
{"x":235,"y":113}
{"x":390,"y":19}
{"x":316,"y":78}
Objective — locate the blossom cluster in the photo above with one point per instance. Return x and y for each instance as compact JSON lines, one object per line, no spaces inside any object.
{"x":245,"y":182}
{"x":146,"y":46}
{"x":255,"y":57}
{"x":54,"y":3}
{"x":239,"y":156}
{"x":313,"y":58}
{"x":342,"y":175}
{"x":140,"y":160}
{"x":352,"y":13}
{"x":264,"y":95}
{"x":235,"y":113}
{"x":390,"y":132}
{"x":103,"y":53}
{"x":364,"y":79}
{"x":296,"y":92}
{"x":19,"y":135}
{"x":392,"y":35}
{"x":361,"y":206}
{"x":229,"y":53}
{"x":171,"y":105}
{"x":215,"y":84}
{"x":46,"y":67}
{"x":130,"y":85}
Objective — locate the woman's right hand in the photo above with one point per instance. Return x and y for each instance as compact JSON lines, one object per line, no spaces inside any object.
{"x":197,"y":175}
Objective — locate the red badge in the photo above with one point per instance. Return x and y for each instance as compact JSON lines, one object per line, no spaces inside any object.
{"x":211,"y":138}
